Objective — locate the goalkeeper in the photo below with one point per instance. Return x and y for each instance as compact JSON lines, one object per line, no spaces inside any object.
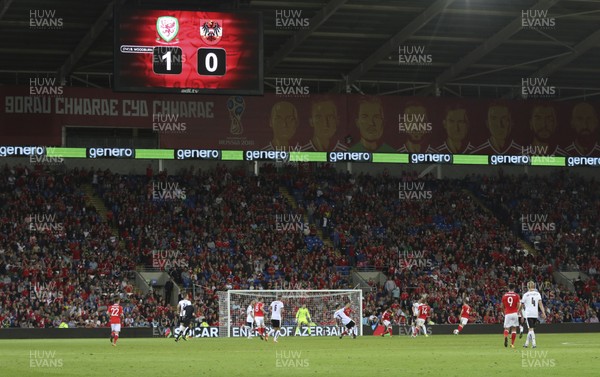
{"x":302,"y":318}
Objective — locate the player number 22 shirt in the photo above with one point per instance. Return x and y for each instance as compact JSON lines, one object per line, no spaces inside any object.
{"x":115,"y":312}
{"x":466,"y":310}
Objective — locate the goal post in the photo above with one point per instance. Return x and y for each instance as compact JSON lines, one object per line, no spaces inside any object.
{"x":321,"y":304}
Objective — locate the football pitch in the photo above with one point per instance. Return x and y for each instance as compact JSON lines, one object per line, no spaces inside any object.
{"x":442,"y":355}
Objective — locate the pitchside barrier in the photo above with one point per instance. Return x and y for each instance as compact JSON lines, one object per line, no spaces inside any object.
{"x":56,"y":333}
{"x":213,"y":332}
{"x":480,"y":329}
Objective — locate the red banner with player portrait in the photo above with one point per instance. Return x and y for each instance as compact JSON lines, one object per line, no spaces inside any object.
{"x":309,"y":122}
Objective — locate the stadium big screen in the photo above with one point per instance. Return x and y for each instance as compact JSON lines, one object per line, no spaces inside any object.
{"x":187,"y":51}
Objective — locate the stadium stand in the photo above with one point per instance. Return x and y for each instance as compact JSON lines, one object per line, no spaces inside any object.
{"x":229,"y":230}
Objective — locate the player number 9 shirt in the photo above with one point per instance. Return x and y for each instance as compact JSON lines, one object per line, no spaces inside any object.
{"x":511,"y":301}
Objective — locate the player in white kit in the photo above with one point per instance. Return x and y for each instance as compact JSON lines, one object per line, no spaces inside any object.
{"x":341,"y":316}
{"x":532,"y":300}
{"x":181,"y":305}
{"x":276,"y":317}
{"x":250,"y":318}
{"x":415,"y":315}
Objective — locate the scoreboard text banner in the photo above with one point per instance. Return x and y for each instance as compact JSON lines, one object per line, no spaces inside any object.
{"x":389,"y":128}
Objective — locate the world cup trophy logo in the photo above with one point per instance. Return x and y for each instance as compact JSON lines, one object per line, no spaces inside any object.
{"x":236,"y":106}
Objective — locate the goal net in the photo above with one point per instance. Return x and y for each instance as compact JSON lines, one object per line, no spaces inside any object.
{"x":321,"y":305}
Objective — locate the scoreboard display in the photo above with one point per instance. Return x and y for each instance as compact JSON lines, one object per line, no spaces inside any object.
{"x":188,"y":51}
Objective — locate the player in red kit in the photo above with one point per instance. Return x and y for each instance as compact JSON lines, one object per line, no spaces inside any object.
{"x":511,"y":302}
{"x":424,"y":313}
{"x":386,"y":320}
{"x":465,"y":313}
{"x":259,"y":319}
{"x":115,"y":311}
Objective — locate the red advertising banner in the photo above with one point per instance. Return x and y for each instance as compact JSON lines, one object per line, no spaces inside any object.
{"x":309,"y":122}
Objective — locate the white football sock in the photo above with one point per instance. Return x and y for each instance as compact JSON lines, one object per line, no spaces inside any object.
{"x":181,"y":329}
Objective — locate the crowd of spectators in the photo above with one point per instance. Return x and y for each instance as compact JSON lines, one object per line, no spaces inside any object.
{"x":444,"y":243}
{"x":59,"y":262}
{"x":557,"y":213}
{"x":228,"y":229}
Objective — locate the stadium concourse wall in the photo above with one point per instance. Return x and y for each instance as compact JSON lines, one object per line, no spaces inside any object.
{"x":212,"y":332}
{"x":173,"y":167}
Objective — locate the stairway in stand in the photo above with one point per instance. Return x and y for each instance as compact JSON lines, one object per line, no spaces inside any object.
{"x":95,"y":201}
{"x":291,"y":200}
{"x":522,"y":242}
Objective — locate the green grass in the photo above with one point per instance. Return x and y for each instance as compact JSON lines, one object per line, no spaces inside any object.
{"x":442,"y":355}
